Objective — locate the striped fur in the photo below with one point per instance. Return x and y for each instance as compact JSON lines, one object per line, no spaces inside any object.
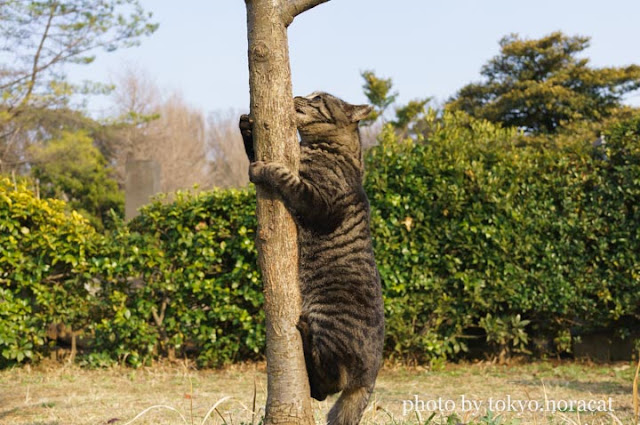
{"x":342,"y":320}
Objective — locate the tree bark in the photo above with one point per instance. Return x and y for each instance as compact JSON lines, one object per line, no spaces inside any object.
{"x":275,"y":139}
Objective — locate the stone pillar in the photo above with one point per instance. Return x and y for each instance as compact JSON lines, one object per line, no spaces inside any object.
{"x":141,"y":183}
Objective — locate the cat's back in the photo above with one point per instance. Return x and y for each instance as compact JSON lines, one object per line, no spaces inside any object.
{"x":337,"y":266}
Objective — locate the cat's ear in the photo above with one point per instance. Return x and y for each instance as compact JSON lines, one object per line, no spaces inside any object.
{"x":359,"y":112}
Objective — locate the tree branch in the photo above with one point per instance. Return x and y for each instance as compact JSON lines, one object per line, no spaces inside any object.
{"x":36,"y":59}
{"x":295,"y":7}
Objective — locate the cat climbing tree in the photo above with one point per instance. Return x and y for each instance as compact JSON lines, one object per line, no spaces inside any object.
{"x":275,"y":139}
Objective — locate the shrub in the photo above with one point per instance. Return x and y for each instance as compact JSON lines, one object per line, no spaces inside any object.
{"x":481,"y":235}
{"x":182,"y":279}
{"x":476,"y":222}
{"x":44,"y":252}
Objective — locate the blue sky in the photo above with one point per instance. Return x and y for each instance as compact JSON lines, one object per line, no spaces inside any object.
{"x":428,"y":48}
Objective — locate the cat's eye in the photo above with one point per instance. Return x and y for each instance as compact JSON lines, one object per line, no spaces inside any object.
{"x":316,"y":99}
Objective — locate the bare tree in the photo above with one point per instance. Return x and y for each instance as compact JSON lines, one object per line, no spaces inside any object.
{"x":135,"y":99}
{"x":136,"y":92}
{"x":227,"y":159}
{"x":166,"y":130}
{"x":179,"y":144}
{"x":275,"y":139}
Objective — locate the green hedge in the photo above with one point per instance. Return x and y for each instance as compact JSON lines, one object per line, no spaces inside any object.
{"x":181,"y":279}
{"x":481,"y":235}
{"x":480,"y":232}
{"x":43,"y":255}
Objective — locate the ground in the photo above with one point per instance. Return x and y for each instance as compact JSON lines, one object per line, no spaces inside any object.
{"x":518,"y":393}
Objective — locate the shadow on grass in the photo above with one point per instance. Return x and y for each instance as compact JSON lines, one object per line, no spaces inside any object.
{"x":43,"y":423}
{"x":8,"y":412}
{"x":5,"y":413}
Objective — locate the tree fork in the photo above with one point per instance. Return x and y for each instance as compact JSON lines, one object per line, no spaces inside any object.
{"x":275,"y":139}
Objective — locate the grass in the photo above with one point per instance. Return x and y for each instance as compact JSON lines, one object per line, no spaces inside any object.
{"x":493,"y":394}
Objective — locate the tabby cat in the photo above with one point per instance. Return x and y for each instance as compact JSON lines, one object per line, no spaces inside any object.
{"x":342,"y":320}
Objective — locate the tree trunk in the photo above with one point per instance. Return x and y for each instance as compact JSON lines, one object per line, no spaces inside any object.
{"x":275,"y":139}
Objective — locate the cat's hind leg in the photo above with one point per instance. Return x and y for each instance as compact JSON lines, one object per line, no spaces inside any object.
{"x":314,"y":367}
{"x":350,"y":406}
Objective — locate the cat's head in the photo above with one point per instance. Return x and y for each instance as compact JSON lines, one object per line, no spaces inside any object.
{"x":321,"y":115}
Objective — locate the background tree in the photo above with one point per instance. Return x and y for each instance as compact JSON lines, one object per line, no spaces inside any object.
{"x":227,"y":166}
{"x":71,"y":168}
{"x":163,"y":128}
{"x":539,"y":84}
{"x":407,"y":117}
{"x":39,"y":39}
{"x":275,"y":139}
{"x":378,"y":92}
{"x":190,"y":149}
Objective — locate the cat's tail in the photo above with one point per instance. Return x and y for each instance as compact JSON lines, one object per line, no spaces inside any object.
{"x":350,"y":406}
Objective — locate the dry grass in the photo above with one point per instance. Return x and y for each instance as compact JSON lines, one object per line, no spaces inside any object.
{"x":57,"y":395}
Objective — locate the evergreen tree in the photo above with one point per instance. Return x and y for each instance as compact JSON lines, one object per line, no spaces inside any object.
{"x":538,"y":85}
{"x":73,"y":169}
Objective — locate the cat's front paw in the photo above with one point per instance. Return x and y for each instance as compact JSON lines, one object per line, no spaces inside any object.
{"x":246,"y":126}
{"x":246,"y":130}
{"x":256,"y":172}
